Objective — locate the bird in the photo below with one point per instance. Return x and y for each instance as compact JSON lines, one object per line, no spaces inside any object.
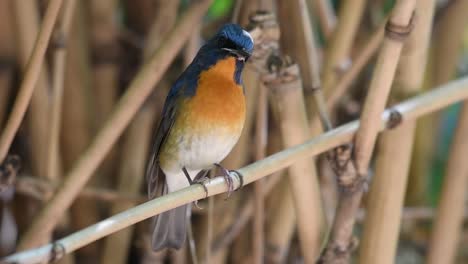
{"x":202,"y":119}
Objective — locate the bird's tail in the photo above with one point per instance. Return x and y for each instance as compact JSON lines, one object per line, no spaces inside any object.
{"x":170,"y":229}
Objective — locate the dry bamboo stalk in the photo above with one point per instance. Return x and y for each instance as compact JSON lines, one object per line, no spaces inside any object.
{"x":353,"y":178}
{"x":139,"y":89}
{"x":337,"y":55}
{"x":261,"y":138}
{"x":76,"y":117}
{"x":281,"y":223}
{"x":385,"y":201}
{"x":326,"y":15}
{"x":449,"y":218}
{"x":288,"y":102}
{"x":410,"y":110}
{"x":136,"y":145}
{"x":448,"y":35}
{"x":27,"y":27}
{"x":7,"y":57}
{"x":105,"y":76}
{"x":59,"y":59}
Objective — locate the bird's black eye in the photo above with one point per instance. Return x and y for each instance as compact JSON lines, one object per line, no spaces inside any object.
{"x":222,"y":41}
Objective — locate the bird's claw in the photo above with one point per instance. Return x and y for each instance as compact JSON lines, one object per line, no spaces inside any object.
{"x":227,"y":178}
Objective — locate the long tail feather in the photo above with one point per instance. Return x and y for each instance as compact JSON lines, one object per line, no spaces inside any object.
{"x":170,"y":229}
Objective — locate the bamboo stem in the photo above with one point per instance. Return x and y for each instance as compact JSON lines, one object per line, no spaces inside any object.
{"x":35,"y":80}
{"x":261,"y":138}
{"x":353,"y":179}
{"x":385,"y":202}
{"x":30,"y":78}
{"x":288,"y":102}
{"x":139,"y":89}
{"x":449,"y":217}
{"x":60,"y":57}
{"x":337,"y":55}
{"x":326,"y":15}
{"x":410,"y":110}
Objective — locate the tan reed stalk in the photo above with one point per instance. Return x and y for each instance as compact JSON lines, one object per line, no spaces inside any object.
{"x":7,"y":57}
{"x":76,"y":116}
{"x":105,"y":77}
{"x":298,"y":41}
{"x":448,"y":35}
{"x":387,"y":192}
{"x":135,"y":148}
{"x":410,"y":110}
{"x":139,"y":89}
{"x":31,"y":45}
{"x":338,"y":52}
{"x":58,"y":81}
{"x":261,"y":138}
{"x":326,"y":15}
{"x":288,"y":102}
{"x":448,"y":223}
{"x":352,"y":180}
{"x":282,"y":223}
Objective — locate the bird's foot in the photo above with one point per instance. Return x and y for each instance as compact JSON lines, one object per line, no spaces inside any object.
{"x":201,"y":179}
{"x":227,"y":177}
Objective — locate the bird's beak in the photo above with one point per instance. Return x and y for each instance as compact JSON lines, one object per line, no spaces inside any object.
{"x":241,"y":55}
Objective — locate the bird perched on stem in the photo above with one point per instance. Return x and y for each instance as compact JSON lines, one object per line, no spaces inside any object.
{"x":202,"y":120}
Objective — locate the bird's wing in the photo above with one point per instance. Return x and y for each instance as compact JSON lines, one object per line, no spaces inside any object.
{"x":153,"y":171}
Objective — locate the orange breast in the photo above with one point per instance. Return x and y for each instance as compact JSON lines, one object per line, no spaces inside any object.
{"x":218,"y":99}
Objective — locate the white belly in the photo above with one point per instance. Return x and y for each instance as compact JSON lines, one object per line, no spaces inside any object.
{"x":197,"y":152}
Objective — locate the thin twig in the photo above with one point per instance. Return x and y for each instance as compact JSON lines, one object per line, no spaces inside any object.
{"x":30,"y":78}
{"x":139,"y":89}
{"x":410,"y":110}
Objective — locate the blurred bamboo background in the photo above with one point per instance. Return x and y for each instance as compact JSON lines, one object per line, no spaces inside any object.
{"x":95,"y":83}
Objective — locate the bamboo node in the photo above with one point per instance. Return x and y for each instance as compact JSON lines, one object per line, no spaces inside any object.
{"x":398,"y":32}
{"x":8,"y":171}
{"x":58,"y":40}
{"x":395,"y":118}
{"x":57,"y":252}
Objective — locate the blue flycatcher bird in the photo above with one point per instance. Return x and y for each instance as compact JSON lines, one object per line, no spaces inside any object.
{"x":202,"y":120}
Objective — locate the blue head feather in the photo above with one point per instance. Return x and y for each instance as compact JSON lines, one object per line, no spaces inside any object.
{"x":230,"y":36}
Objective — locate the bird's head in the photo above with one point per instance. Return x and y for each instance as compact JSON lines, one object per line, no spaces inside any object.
{"x":234,"y":41}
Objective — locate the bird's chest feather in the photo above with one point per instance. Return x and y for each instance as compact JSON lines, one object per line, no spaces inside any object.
{"x":209,"y":123}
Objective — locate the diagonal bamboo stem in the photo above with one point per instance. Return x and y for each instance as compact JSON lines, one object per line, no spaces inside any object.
{"x":353,"y":179}
{"x":30,"y":77}
{"x":134,"y":97}
{"x":410,"y":110}
{"x":385,"y":201}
